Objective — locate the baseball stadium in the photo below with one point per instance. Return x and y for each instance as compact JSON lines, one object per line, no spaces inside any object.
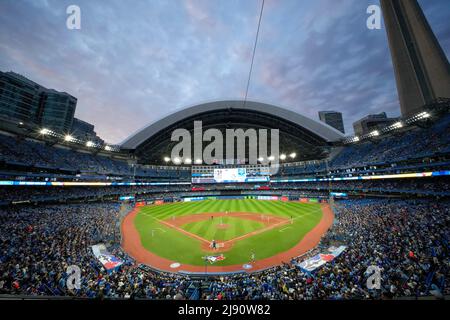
{"x":315,"y":214}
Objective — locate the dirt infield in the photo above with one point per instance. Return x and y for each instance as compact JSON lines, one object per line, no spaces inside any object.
{"x":131,"y":243}
{"x":269,"y":222}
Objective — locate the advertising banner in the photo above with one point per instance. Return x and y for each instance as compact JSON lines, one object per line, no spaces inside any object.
{"x":106,"y":259}
{"x":320,"y":259}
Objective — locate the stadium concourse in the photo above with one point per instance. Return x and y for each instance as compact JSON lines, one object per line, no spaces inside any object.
{"x":62,"y":204}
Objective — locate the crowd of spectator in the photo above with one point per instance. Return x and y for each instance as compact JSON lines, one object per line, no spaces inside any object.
{"x":408,"y":240}
{"x":431,"y":186}
{"x":425,"y":141}
{"x":392,"y":149}
{"x":387,"y":154}
{"x":15,"y":150}
{"x":424,"y":186}
{"x":38,"y":244}
{"x":48,"y":193}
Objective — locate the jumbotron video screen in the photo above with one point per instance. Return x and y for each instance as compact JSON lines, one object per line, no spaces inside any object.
{"x":239,"y":174}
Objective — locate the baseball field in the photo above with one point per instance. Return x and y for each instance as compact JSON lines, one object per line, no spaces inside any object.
{"x":222,"y":235}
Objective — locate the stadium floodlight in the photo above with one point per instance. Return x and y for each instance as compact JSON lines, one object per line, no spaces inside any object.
{"x":166,"y":159}
{"x":68,"y":138}
{"x":198,"y":161}
{"x":21,"y":123}
{"x":398,"y":125}
{"x":293,"y":155}
{"x":355,"y":139}
{"x":90,"y":144}
{"x":187,"y":161}
{"x":375,"y":133}
{"x":283,"y":157}
{"x":177,"y":160}
{"x":108,"y":148}
{"x":271,"y":158}
{"x":44,"y":131}
{"x":260,"y":159}
{"x":420,"y":116}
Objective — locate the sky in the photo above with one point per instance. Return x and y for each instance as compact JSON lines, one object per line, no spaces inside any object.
{"x":133,"y":62}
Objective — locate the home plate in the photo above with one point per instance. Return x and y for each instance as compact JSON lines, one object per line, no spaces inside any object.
{"x":175,"y":265}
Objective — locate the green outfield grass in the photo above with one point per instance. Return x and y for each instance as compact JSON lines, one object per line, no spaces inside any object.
{"x":174,"y":245}
{"x":208,"y":229}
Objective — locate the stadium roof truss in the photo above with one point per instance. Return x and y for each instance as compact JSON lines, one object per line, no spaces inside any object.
{"x":308,"y":138}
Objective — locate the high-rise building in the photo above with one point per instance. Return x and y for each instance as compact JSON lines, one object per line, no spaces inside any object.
{"x":372,"y":122}
{"x":84,"y":131}
{"x":57,"y":111}
{"x":333,"y":119}
{"x":19,"y":98}
{"x":26,"y":101}
{"x":421,"y":68}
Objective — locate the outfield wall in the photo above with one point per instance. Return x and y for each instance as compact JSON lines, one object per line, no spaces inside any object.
{"x":259,"y":197}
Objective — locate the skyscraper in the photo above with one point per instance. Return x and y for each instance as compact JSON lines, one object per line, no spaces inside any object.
{"x":333,"y":119}
{"x":26,"y":101}
{"x":19,"y":98}
{"x":421,"y":68}
{"x":84,"y":131}
{"x":57,"y":111}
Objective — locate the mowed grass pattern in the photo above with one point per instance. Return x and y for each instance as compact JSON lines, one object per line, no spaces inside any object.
{"x":174,"y":245}
{"x":208,"y":229}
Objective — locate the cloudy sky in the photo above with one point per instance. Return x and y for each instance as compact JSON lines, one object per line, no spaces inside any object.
{"x":135,"y":61}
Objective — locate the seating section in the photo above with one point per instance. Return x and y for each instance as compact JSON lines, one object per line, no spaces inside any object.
{"x":418,"y":143}
{"x":38,"y":154}
{"x":407,"y":239}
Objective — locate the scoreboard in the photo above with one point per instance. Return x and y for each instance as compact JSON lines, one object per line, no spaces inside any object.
{"x":230,"y":174}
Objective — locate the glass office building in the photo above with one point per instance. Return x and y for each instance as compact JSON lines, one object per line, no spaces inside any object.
{"x":23,"y":100}
{"x":333,"y":119}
